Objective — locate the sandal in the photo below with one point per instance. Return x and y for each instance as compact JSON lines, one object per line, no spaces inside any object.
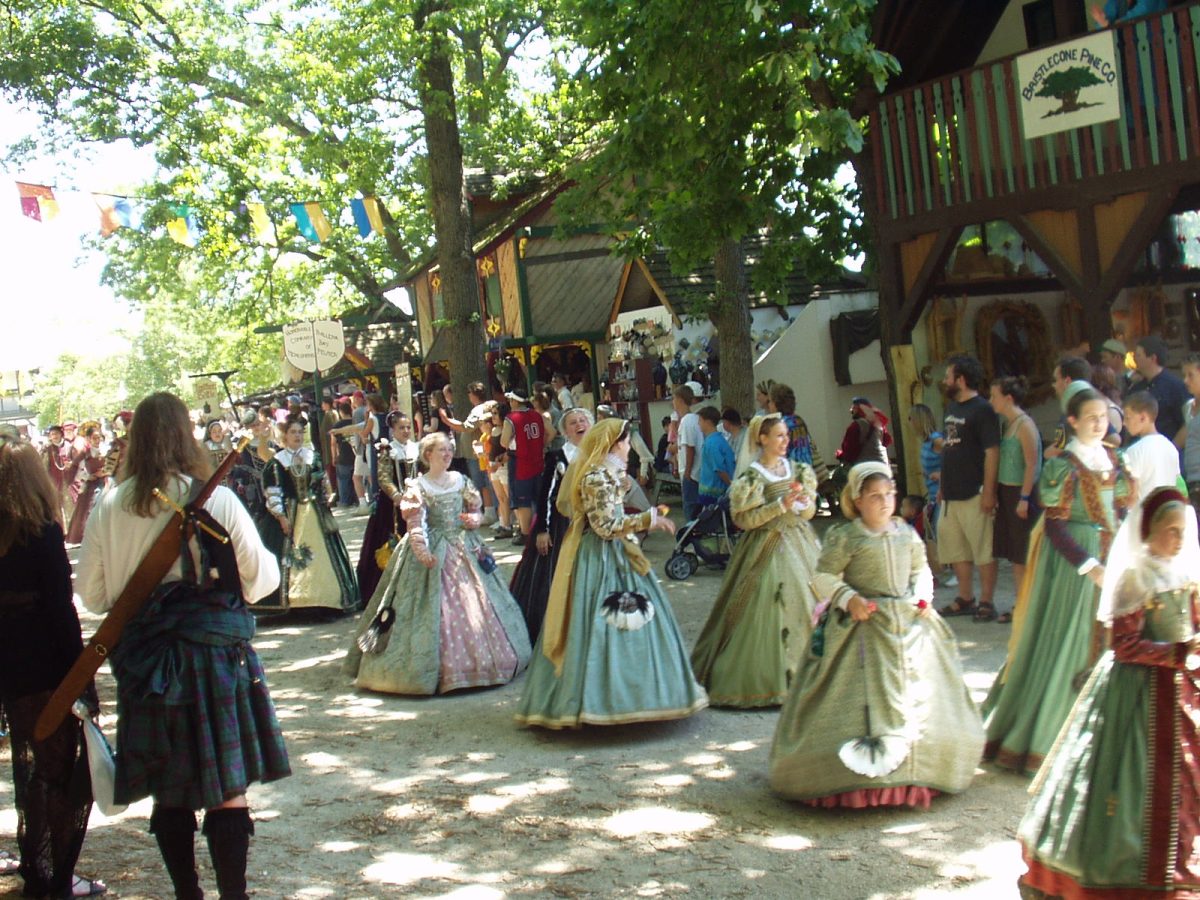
{"x":9,"y":864}
{"x":1004,"y":619}
{"x":986,"y":612}
{"x":960,"y":607}
{"x":88,"y":887}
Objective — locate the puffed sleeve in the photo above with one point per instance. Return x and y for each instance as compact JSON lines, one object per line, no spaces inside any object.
{"x":746,"y":502}
{"x":273,"y":486}
{"x":1130,"y":647}
{"x":257,"y":566}
{"x":412,"y":509}
{"x":835,"y":556}
{"x":1056,"y":482}
{"x":804,"y":475}
{"x":472,"y":503}
{"x":602,"y":503}
{"x":386,"y":472}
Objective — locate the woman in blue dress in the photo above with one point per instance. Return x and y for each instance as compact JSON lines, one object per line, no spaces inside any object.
{"x":610,"y":651}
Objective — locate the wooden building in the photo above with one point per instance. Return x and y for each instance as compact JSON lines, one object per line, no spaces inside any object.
{"x":994,"y":224}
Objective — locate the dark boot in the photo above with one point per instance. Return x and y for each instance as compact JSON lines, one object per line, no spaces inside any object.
{"x":175,"y":831}
{"x":228,"y":832}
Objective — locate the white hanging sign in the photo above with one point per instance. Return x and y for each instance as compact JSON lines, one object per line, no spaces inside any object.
{"x":310,"y":346}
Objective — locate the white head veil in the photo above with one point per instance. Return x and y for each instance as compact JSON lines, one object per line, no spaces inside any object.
{"x":750,"y":450}
{"x":1131,"y":572}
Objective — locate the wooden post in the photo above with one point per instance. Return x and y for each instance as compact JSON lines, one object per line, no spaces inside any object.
{"x":907,"y":380}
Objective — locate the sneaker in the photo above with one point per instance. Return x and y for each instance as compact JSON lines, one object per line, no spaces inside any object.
{"x":518,"y":539}
{"x":490,"y":517}
{"x":501,"y":531}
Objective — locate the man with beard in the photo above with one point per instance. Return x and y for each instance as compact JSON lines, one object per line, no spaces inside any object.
{"x":970,"y":466}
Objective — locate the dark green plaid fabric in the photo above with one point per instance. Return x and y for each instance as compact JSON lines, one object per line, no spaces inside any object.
{"x":195,"y":722}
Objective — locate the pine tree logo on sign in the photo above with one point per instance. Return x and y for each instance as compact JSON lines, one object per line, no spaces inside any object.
{"x":1072,"y":85}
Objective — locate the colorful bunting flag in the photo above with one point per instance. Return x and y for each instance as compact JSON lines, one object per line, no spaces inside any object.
{"x":183,"y":228}
{"x":261,"y":228}
{"x":37,"y":201}
{"x":311,"y":221}
{"x":116,"y":212}
{"x":366,"y":215}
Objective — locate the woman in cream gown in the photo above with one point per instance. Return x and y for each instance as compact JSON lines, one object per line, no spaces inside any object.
{"x":759,"y":629}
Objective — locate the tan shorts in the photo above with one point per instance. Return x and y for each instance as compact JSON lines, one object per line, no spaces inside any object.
{"x":965,"y":533}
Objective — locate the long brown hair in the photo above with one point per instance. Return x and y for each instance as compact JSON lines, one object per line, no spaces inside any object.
{"x":161,"y":447}
{"x":28,"y":500}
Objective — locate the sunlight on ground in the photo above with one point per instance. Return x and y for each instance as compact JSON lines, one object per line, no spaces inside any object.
{"x":675,"y":780}
{"x":471,"y":892}
{"x":312,"y":661}
{"x":315,"y":893}
{"x":484,"y":804}
{"x":339,"y":846}
{"x":656,"y":820}
{"x":738,"y":746}
{"x":788,"y":842}
{"x":408,"y":868}
{"x":704,"y":759}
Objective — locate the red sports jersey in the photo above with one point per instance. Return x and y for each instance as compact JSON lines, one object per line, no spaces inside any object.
{"x":531,"y":439}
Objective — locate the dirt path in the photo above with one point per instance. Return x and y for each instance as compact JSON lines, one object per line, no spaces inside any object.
{"x":446,"y":797}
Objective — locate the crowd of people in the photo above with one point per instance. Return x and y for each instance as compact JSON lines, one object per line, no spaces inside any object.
{"x":838,"y":631}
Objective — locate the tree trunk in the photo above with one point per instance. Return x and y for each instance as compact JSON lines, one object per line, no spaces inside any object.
{"x":452,"y":222}
{"x":472,"y":59}
{"x":731,"y":316}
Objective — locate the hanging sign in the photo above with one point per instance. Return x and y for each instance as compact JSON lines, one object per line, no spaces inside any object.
{"x":1069,"y":85}
{"x":310,"y":346}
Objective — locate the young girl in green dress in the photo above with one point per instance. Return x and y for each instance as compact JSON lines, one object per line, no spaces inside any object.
{"x":1115,"y":810}
{"x":878,"y":714}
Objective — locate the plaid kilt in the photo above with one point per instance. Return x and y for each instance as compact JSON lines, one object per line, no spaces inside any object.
{"x":195,"y":722}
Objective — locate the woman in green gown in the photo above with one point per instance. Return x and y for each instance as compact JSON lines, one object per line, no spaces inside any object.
{"x":1057,"y":639}
{"x":610,"y":651}
{"x":878,"y":714}
{"x":442,"y":618}
{"x":759,"y":629}
{"x":1116,"y":808}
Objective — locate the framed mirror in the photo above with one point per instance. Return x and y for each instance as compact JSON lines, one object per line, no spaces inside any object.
{"x":1013,"y":338}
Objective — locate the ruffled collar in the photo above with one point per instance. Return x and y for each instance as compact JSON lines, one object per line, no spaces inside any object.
{"x":570,"y":451}
{"x":1095,"y":457}
{"x":615,"y":464}
{"x":286,"y":457}
{"x":768,"y":474}
{"x":454,"y":483}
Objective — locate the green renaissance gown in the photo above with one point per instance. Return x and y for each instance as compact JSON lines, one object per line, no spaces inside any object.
{"x":878,"y":714}
{"x":455,"y":624}
{"x":611,"y":673}
{"x":1116,"y":806}
{"x":1056,"y":638}
{"x":759,"y":629}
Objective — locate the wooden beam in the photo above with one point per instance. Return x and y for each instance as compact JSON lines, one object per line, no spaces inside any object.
{"x":1137,"y":238}
{"x":616,"y":306}
{"x":1071,"y":195}
{"x":915,"y":296}
{"x":1066,"y":275}
{"x":658,"y":291}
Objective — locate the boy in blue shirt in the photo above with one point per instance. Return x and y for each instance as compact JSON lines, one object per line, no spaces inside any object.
{"x":716,"y":458}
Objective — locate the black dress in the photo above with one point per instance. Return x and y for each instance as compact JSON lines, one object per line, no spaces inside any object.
{"x":39,"y":641}
{"x":384,"y":523}
{"x":531,"y":579}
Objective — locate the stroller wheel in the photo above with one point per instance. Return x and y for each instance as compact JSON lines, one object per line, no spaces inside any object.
{"x":681,"y":566}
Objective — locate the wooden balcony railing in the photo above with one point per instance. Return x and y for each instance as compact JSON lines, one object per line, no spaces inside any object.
{"x":957,"y":140}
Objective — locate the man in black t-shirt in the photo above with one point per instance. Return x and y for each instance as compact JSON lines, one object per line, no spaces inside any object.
{"x":970,"y":464}
{"x":343,"y":455}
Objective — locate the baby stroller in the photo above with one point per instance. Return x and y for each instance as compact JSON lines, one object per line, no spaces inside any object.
{"x":707,"y":539}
